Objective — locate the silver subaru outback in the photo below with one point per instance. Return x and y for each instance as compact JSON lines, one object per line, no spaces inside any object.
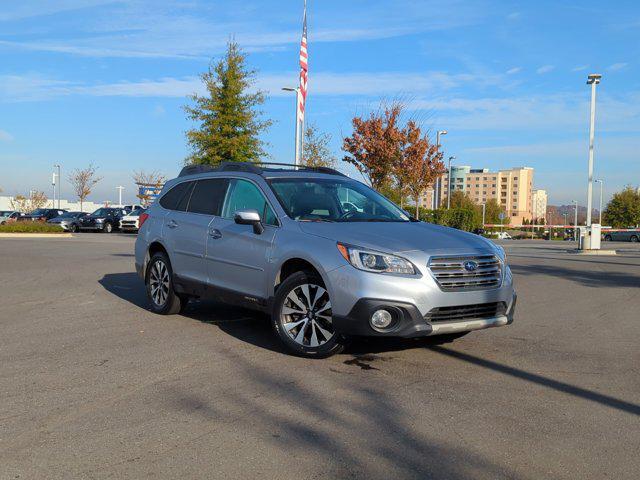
{"x":326,"y":256}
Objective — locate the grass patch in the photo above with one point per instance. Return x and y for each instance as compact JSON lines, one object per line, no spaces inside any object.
{"x":30,"y":227}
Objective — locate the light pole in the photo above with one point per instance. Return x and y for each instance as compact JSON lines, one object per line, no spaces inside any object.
{"x":575,"y":224}
{"x":601,"y":182}
{"x":298,"y":149}
{"x":59,"y":183}
{"x":593,"y":80}
{"x":120,"y":188}
{"x":438,"y":189}
{"x":53,"y":185}
{"x":451,"y":158}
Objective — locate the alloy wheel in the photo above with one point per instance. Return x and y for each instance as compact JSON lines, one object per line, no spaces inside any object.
{"x":306,"y":315}
{"x":159,"y":283}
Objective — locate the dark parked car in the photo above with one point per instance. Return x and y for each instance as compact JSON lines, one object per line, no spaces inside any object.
{"x":103,"y":220}
{"x":632,"y":235}
{"x":42,"y":215}
{"x":69,"y":221}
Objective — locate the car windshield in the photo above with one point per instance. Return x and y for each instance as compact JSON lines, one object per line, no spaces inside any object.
{"x":334,"y":200}
{"x":67,"y":215}
{"x":5,"y":213}
{"x":136,"y":212}
{"x":101,"y":212}
{"x":39,"y":211}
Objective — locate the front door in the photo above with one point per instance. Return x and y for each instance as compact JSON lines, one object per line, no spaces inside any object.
{"x":238,"y":257}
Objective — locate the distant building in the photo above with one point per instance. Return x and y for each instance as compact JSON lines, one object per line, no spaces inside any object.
{"x":539,"y":204}
{"x":512,"y":189}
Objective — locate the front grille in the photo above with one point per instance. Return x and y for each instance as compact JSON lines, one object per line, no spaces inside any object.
{"x":466,"y":312}
{"x":131,"y":223}
{"x":451,"y":274}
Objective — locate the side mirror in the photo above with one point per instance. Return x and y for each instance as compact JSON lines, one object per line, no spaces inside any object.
{"x":249,"y":217}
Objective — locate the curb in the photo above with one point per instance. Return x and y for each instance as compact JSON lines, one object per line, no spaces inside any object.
{"x":593,"y":252}
{"x":35,"y":235}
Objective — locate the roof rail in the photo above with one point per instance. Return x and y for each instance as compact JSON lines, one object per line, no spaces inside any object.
{"x":252,"y":168}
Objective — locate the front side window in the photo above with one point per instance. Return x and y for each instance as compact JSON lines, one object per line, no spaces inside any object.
{"x":334,"y":200}
{"x":245,"y":195}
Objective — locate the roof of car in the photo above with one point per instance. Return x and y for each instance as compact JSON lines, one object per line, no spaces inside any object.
{"x":267,"y":170}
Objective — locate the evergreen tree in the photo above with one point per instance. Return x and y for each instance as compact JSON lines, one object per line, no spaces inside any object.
{"x":624,"y":209}
{"x":228,"y":122}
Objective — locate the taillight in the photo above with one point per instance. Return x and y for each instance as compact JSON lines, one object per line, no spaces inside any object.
{"x":142,"y":219}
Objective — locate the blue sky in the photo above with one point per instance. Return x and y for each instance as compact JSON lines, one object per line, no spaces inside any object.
{"x":104,"y":81}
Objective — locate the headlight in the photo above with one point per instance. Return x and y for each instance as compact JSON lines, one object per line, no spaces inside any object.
{"x":99,"y":220}
{"x":377,"y":262}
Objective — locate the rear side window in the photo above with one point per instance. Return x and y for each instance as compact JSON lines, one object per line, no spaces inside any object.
{"x":208,"y":195}
{"x":171,"y":199}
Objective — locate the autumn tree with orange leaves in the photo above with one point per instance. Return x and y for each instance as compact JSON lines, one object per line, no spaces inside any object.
{"x":387,"y":153}
{"x":374,"y":146}
{"x":421,"y":162}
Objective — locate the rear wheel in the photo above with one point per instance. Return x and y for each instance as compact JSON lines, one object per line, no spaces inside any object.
{"x":634,"y":239}
{"x":607,"y":238}
{"x":159,"y":283}
{"x":75,"y":229}
{"x":302,"y":317}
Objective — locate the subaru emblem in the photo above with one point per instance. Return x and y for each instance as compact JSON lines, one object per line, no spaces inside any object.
{"x":470,"y":266}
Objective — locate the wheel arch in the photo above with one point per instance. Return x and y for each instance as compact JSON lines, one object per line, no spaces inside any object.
{"x":295,"y":264}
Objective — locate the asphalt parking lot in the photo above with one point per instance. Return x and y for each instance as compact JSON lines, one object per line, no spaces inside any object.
{"x":93,"y":385}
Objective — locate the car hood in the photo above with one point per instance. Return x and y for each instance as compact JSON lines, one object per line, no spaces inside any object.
{"x":397,"y":237}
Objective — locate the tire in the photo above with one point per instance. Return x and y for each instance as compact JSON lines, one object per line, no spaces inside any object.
{"x":634,"y":239}
{"x":75,"y":229}
{"x":607,"y":238}
{"x":300,"y":295}
{"x":108,"y":227}
{"x":159,"y":282}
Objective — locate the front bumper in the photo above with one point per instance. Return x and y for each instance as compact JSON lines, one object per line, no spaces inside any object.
{"x":409,"y":322}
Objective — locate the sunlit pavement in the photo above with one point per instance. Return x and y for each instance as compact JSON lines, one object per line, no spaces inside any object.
{"x":93,"y":385}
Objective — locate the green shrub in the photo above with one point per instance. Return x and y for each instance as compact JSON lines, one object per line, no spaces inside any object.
{"x":30,"y":227}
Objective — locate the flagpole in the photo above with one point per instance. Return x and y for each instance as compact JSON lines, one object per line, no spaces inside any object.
{"x":298,"y":149}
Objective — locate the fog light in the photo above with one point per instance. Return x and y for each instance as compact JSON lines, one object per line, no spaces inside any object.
{"x":381,"y":319}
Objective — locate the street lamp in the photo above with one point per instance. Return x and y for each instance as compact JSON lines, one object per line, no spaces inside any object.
{"x":298,"y":149}
{"x":59,"y":183}
{"x":120,"y":188}
{"x":601,"y":182}
{"x":575,"y":224}
{"x":437,"y":194}
{"x":451,"y":158}
{"x":593,"y":79}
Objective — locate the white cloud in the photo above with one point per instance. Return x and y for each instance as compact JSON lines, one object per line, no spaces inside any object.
{"x":5,"y":136}
{"x":514,"y":70}
{"x":36,"y":8}
{"x":579,"y":68}
{"x":617,"y":66}
{"x":33,"y":87}
{"x":545,"y":69}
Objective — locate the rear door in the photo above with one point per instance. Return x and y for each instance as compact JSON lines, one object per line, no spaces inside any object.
{"x":237,"y":257}
{"x":189,"y":229}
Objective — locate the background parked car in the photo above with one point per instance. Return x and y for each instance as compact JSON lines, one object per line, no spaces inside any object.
{"x":9,"y":216}
{"x":103,"y":220}
{"x":131,"y":222}
{"x":625,"y":236}
{"x":131,"y":208}
{"x":69,"y":221}
{"x":41,"y":215}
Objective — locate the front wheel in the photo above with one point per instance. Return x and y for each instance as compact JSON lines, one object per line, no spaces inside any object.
{"x":634,"y":239}
{"x":607,"y":238}
{"x":302,"y":317}
{"x":108,"y":228}
{"x":159,"y":283}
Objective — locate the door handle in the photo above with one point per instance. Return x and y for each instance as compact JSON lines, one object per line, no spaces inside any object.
{"x":172,"y":224}
{"x":215,"y":233}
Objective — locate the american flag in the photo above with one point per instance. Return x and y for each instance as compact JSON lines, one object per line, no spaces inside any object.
{"x":304,"y":68}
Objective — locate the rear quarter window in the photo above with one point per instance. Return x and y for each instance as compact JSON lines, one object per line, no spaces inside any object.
{"x":171,"y":199}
